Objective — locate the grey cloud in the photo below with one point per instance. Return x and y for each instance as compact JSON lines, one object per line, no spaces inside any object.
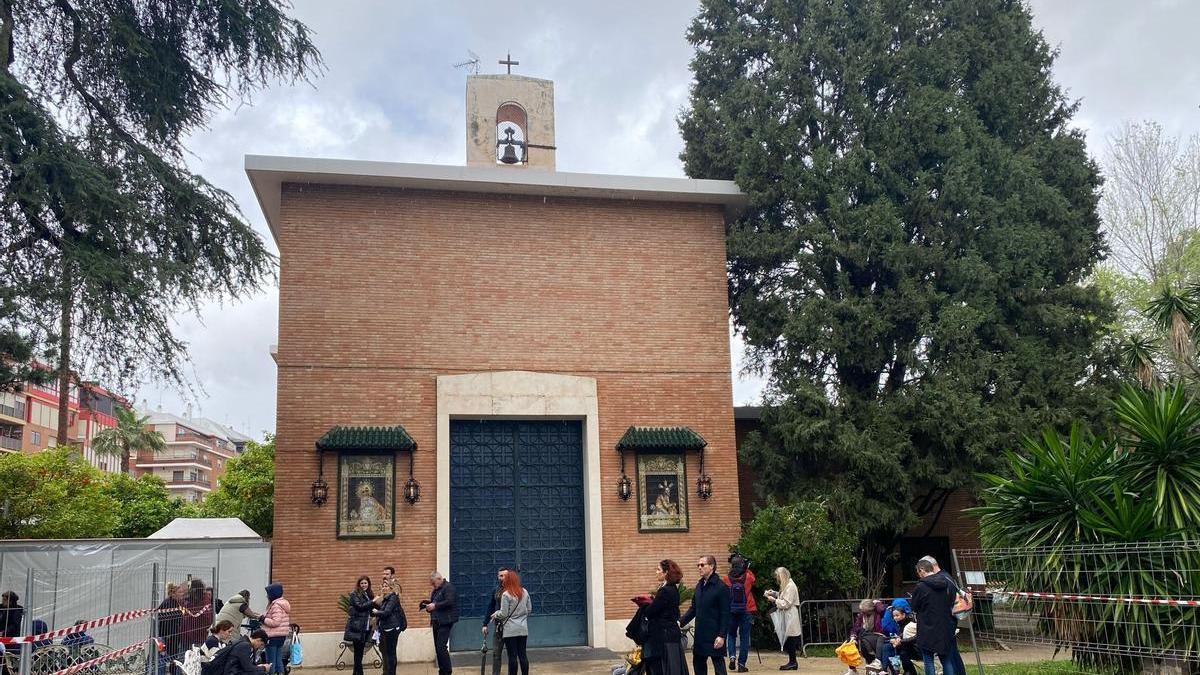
{"x":620,"y":69}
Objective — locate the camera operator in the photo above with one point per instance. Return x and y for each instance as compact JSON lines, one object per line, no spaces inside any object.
{"x":742,"y":609}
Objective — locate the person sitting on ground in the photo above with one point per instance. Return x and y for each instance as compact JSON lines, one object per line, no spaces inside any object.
{"x":241,"y":655}
{"x":218,"y":636}
{"x":78,"y":639}
{"x":867,"y":634}
{"x":899,"y":650}
{"x":39,"y":627}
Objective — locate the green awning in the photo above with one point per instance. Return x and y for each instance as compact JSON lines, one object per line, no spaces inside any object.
{"x":661,"y":438}
{"x":370,"y":439}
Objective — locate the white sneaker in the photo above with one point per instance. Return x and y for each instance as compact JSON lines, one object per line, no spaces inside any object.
{"x":850,"y":671}
{"x":876,"y":664}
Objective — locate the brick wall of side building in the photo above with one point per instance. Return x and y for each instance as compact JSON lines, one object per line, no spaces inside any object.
{"x":383,"y":290}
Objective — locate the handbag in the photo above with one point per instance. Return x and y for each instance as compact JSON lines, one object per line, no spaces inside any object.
{"x":963,"y":604}
{"x":849,"y":655}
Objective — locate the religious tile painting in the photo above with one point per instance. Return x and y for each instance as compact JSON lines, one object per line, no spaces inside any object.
{"x":366,"y":496}
{"x":662,"y":493}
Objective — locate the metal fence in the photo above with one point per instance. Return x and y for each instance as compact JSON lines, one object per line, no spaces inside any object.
{"x":90,"y":614}
{"x":825,"y":622}
{"x":1130,"y":606}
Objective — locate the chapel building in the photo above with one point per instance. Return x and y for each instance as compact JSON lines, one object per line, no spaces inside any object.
{"x":497,"y":364}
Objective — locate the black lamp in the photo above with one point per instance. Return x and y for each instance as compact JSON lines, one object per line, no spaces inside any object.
{"x":704,"y":483}
{"x":412,"y":489}
{"x":624,"y":486}
{"x":320,"y":489}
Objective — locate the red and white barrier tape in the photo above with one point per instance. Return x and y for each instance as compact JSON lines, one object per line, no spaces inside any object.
{"x":94,"y":623}
{"x":1171,"y":602}
{"x":111,"y":655}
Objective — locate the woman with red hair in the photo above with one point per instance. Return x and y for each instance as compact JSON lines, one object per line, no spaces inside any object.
{"x":663,"y":650}
{"x":513,"y":615}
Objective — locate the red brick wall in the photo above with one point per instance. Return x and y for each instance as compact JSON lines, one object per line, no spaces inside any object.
{"x":382,"y":290}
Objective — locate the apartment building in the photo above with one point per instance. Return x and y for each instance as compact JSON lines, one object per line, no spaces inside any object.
{"x":198,"y":451}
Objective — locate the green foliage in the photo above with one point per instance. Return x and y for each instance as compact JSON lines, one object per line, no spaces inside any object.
{"x":800,"y":537}
{"x":143,"y":504}
{"x":54,"y":494}
{"x":908,"y":270}
{"x":247,"y":488}
{"x":131,"y":436}
{"x":102,"y":219}
{"x":1142,"y":485}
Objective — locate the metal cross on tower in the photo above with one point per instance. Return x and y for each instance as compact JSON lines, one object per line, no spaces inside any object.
{"x":507,"y":61}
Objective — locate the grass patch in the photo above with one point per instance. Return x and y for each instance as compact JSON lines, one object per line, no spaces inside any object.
{"x":1033,"y":668}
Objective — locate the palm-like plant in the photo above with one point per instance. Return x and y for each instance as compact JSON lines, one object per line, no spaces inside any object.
{"x":1055,"y":481}
{"x":131,"y":435}
{"x":1138,"y":354}
{"x":1160,"y":431}
{"x":1175,"y":311}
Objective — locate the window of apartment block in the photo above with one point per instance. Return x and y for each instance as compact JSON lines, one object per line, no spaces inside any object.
{"x":176,"y":475}
{"x":35,"y":438}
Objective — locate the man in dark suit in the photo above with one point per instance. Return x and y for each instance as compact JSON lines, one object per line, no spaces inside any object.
{"x":710,"y":609}
{"x":443,"y":613}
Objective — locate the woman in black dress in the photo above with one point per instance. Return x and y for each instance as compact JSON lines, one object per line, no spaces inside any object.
{"x":663,"y":650}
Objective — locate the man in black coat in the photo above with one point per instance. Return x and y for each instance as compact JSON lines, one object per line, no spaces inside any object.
{"x":240,"y":660}
{"x":710,"y":609}
{"x":498,"y":634}
{"x":443,"y":614}
{"x":932,"y":600}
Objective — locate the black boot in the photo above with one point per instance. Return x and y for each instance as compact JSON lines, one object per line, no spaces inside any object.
{"x":790,"y":665}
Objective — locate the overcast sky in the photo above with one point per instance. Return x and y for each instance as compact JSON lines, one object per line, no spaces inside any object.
{"x":390,"y":92}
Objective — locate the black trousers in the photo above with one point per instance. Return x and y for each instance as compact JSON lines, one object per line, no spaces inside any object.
{"x":387,"y":649}
{"x":358,"y":647}
{"x":791,"y":645}
{"x":497,"y":649}
{"x":700,"y":662}
{"x":516,"y":653}
{"x":441,"y":645}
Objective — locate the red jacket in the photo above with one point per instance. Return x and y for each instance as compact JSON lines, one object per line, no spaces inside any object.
{"x":751,"y":603}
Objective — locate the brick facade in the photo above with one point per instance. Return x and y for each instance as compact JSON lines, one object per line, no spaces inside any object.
{"x":384,"y":289}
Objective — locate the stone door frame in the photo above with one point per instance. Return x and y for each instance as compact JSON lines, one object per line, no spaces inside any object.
{"x":517,"y":394}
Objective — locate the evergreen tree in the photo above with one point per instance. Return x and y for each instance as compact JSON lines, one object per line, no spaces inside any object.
{"x":909,"y":268}
{"x":105,"y":233}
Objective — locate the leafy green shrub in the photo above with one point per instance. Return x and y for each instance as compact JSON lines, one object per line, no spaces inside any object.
{"x":800,"y":537}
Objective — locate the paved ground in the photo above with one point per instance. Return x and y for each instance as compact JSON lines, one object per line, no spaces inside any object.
{"x":580,"y":661}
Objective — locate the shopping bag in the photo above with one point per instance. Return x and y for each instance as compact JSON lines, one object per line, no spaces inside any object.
{"x":297,"y":652}
{"x":848,"y":654}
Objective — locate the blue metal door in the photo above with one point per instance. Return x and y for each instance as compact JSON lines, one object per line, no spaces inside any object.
{"x":516,"y":499}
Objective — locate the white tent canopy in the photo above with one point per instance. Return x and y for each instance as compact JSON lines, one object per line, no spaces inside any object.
{"x":206,"y":528}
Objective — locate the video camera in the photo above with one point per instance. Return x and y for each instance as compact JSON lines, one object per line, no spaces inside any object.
{"x":736,"y":561}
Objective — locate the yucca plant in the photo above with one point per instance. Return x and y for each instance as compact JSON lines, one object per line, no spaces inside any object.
{"x":1160,"y":435}
{"x":1141,"y":486}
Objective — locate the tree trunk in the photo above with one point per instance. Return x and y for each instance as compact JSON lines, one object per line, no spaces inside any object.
{"x":6,"y":35}
{"x":64,"y":357}
{"x":125,"y":459}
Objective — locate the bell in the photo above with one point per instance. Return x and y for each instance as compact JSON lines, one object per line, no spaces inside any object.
{"x":510,"y":154}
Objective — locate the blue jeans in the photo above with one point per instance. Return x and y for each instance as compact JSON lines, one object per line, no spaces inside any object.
{"x":275,"y":654}
{"x":740,"y":623}
{"x":948,"y":663}
{"x":887,"y":651}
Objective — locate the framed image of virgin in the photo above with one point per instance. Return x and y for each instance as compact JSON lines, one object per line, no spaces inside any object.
{"x":662,"y":493}
{"x":366,"y":496}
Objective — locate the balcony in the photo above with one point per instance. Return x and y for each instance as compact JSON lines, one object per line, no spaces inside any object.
{"x":14,"y":412}
{"x":10,"y":444}
{"x":145,"y":460}
{"x":189,"y":484}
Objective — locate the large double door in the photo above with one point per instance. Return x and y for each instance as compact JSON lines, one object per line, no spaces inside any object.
{"x":516,"y":499}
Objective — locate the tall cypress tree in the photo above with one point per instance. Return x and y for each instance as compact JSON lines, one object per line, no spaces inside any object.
{"x":105,"y":234}
{"x":910,"y":268}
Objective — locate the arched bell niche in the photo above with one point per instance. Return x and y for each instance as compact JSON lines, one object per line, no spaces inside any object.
{"x":512,"y":125}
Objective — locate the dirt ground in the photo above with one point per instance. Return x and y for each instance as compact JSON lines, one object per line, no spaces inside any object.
{"x":600,"y":662}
